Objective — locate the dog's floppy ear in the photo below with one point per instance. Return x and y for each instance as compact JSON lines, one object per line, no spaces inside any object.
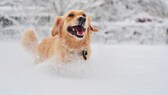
{"x":92,"y":28}
{"x":57,"y":26}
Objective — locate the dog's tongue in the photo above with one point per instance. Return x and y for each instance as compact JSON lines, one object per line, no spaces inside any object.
{"x":79,"y":30}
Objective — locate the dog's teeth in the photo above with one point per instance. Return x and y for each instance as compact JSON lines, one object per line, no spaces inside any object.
{"x":73,"y":29}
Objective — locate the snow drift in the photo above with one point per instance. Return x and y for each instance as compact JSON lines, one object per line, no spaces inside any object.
{"x":113,"y":69}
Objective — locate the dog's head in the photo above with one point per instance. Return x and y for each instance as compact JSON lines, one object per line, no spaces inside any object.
{"x":74,"y":25}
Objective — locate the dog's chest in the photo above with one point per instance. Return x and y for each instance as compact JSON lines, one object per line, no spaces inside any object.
{"x":72,"y":55}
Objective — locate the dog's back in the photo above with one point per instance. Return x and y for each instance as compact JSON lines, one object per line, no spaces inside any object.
{"x":43,"y":50}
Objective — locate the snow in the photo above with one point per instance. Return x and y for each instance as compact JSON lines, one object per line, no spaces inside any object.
{"x":112,"y":70}
{"x":129,"y":53}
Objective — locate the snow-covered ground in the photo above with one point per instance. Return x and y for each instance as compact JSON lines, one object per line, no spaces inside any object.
{"x":112,"y":70}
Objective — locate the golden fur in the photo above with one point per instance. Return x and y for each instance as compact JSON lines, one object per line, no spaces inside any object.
{"x":60,"y":44}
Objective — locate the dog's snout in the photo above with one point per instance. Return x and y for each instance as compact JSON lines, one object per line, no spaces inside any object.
{"x":81,"y":20}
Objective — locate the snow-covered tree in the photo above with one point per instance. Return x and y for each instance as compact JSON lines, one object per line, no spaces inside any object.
{"x":117,"y":20}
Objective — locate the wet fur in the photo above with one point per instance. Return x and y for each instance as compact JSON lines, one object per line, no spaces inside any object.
{"x":60,"y":44}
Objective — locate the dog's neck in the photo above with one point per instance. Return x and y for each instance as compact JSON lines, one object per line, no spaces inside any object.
{"x":74,"y":45}
{"x":75,"y":48}
{"x":74,"y":52}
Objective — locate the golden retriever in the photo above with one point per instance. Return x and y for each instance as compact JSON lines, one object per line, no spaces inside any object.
{"x":69,"y":40}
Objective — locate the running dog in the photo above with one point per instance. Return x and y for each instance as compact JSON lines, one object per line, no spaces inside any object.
{"x":69,"y":40}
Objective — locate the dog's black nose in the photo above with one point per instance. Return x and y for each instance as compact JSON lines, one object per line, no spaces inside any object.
{"x":81,"y":20}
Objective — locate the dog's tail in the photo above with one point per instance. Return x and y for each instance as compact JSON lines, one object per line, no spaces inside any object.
{"x":29,"y":41}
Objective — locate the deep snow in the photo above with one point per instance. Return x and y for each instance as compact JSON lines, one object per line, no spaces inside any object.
{"x":112,"y":70}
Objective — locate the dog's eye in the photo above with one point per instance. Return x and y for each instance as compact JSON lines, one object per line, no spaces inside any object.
{"x":84,"y":15}
{"x":71,"y":15}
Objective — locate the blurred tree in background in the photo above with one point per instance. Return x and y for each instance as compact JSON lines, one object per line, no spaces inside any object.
{"x":139,"y":21}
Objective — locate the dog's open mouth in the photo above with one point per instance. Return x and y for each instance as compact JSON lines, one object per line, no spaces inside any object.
{"x":77,"y":31}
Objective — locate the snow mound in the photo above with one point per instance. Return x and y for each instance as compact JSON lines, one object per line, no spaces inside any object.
{"x":75,"y":69}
